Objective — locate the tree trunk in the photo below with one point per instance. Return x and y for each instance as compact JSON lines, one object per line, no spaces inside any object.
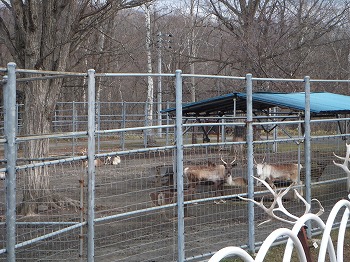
{"x":150,"y":91}
{"x":37,"y":120}
{"x":192,"y":53}
{"x":42,"y":35}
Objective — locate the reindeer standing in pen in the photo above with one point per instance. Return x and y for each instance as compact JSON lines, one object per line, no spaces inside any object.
{"x":279,"y":172}
{"x":217,"y":174}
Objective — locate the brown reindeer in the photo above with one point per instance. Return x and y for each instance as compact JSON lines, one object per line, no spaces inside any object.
{"x":217,"y":174}
{"x":169,"y":196}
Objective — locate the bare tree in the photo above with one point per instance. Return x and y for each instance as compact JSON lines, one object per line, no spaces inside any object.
{"x":42,"y":35}
{"x":150,"y":86}
{"x":278,"y":37}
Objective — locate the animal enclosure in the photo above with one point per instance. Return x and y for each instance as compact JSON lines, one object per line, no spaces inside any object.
{"x":143,"y":207}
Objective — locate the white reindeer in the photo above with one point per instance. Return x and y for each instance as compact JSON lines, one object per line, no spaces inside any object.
{"x":114,"y":160}
{"x":97,"y":162}
{"x":218,"y":174}
{"x":279,"y":172}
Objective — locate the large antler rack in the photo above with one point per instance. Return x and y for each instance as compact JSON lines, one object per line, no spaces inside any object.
{"x":345,"y":164}
{"x":277,"y":204}
{"x":225,"y":163}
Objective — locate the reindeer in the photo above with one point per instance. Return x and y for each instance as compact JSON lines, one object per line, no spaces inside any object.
{"x":114,"y":160}
{"x":2,"y":175}
{"x":218,"y":174}
{"x":279,"y":172}
{"x":236,"y":181}
{"x":97,"y":162}
{"x":169,"y":196}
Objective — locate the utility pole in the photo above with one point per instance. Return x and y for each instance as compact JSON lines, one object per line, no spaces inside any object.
{"x":159,"y":91}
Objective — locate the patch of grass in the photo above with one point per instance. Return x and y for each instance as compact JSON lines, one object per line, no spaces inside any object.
{"x":276,"y":253}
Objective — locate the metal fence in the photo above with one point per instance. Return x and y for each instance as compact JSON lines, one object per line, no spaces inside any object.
{"x":140,"y":209}
{"x":73,"y":117}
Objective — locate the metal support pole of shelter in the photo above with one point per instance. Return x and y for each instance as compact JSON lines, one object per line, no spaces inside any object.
{"x":250,"y":164}
{"x":91,"y":167}
{"x":179,"y":168}
{"x":307,"y":147}
{"x":10,"y":127}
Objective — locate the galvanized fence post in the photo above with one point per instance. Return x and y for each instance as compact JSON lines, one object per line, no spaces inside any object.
{"x":91,"y":166}
{"x":250,"y":163}
{"x":10,"y":127}
{"x":179,"y":168}
{"x":223,"y":135}
{"x":307,"y":147}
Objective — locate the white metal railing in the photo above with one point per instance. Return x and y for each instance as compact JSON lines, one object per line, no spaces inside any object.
{"x":293,"y":240}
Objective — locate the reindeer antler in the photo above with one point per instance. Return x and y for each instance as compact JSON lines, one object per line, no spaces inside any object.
{"x":234,"y":160}
{"x":225,"y":163}
{"x":222,"y":160}
{"x":262,"y":162}
{"x":280,"y":208}
{"x":344,"y":166}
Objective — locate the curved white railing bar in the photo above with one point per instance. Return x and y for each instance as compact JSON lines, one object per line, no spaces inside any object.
{"x":230,"y":251}
{"x":236,"y":251}
{"x":293,"y":240}
{"x":276,"y":234}
{"x":297,"y":227}
{"x":341,"y":234}
{"x":326,"y":233}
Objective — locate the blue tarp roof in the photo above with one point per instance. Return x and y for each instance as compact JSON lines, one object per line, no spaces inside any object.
{"x":321,"y":103}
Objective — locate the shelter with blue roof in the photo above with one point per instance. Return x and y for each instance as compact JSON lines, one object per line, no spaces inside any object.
{"x":322,"y":104}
